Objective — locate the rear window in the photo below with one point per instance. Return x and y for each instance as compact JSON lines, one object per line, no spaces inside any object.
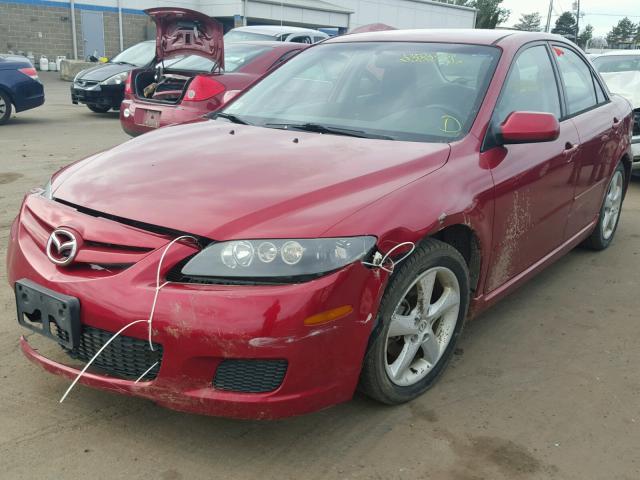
{"x":240,"y":36}
{"x":235,"y":56}
{"x":615,"y":64}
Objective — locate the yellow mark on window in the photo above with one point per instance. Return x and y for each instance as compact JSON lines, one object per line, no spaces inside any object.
{"x":450,"y":125}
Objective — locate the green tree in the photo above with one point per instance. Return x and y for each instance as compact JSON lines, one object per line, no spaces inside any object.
{"x":529,"y":22}
{"x":489,"y":14}
{"x":565,"y":25}
{"x":585,"y":36}
{"x":624,"y":31}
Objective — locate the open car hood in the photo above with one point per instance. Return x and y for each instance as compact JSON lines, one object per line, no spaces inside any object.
{"x":180,"y":31}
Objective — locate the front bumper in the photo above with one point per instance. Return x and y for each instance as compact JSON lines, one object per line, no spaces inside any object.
{"x":200,"y":326}
{"x":635,"y":152}
{"x":96,"y":94}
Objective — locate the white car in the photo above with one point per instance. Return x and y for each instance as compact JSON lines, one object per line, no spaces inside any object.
{"x":275,"y":33}
{"x":621,"y":70}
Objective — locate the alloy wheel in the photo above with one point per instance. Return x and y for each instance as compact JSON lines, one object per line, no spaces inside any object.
{"x":3,"y":107}
{"x":422,"y":326}
{"x":612,"y":205}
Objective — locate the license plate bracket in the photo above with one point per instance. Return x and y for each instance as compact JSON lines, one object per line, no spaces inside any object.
{"x":151,"y":118}
{"x":39,"y":306}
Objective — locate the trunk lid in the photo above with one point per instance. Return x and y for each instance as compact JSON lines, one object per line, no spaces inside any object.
{"x":180,"y":31}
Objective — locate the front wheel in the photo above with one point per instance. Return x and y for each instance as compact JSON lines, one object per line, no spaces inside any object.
{"x":5,"y":107}
{"x":419,"y":320}
{"x":99,"y":108}
{"x":609,"y":217}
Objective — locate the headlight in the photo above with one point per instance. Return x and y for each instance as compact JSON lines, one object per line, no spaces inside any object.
{"x":116,"y":79}
{"x":269,"y":259}
{"x":46,"y":191}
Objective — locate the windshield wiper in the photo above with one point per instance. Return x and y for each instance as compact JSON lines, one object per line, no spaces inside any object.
{"x":319,"y":128}
{"x":228,"y":116}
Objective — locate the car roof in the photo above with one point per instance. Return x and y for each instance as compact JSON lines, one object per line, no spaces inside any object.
{"x":278,"y":29}
{"x":455,"y":35}
{"x":616,"y":53}
{"x":266,"y":43}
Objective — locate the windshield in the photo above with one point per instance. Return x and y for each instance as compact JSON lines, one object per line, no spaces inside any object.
{"x":404,"y":91}
{"x":139,"y":55}
{"x":618,"y":63}
{"x":240,"y":36}
{"x":235,"y":56}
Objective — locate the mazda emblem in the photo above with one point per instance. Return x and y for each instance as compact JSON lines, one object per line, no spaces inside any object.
{"x":62,"y":247}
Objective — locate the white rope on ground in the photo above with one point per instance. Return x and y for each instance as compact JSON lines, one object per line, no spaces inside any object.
{"x":149,"y":321}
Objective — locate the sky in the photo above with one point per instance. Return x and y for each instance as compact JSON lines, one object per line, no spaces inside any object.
{"x":602,"y":14}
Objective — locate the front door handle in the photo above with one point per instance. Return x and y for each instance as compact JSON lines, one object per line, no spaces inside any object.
{"x":570,"y":148}
{"x":616,"y":122}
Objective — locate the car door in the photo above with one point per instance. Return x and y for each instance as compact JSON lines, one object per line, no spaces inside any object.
{"x":599,"y":128}
{"x":533,"y":181}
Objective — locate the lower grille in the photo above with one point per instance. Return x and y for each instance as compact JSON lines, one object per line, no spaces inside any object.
{"x":125,"y":357}
{"x":250,"y":376}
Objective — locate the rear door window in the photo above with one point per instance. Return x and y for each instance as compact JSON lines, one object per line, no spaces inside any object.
{"x":577,"y":80}
{"x":600,"y":95}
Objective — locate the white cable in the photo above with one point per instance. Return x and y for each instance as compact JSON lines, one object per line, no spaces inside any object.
{"x":379,"y":260}
{"x":145,"y":372}
{"x":96,"y":356}
{"x":149,"y":321}
{"x":158,"y":286}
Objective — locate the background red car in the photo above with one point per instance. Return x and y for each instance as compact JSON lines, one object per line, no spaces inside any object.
{"x":191,"y":77}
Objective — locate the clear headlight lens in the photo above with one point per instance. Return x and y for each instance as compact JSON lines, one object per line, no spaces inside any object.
{"x":116,"y":79}
{"x":276,"y":258}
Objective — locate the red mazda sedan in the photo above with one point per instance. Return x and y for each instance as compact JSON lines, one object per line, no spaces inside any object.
{"x":189,"y":79}
{"x":330,"y":230}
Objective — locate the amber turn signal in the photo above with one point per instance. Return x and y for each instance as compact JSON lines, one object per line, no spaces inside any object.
{"x":329,"y":315}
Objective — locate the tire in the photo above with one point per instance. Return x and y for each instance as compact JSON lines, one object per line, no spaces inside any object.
{"x":99,"y":108}
{"x":609,"y":216}
{"x":382,"y":377}
{"x":5,"y":107}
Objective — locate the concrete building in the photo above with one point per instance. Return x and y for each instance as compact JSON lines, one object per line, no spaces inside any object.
{"x":105,"y":27}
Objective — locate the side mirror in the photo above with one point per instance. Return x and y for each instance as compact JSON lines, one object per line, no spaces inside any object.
{"x":529,"y":127}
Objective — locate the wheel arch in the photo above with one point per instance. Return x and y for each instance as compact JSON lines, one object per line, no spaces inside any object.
{"x":466,"y":241}
{"x":626,"y":161}
{"x":7,"y":92}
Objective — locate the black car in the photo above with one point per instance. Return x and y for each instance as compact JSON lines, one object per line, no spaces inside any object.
{"x":19,"y":86}
{"x":101,"y":88}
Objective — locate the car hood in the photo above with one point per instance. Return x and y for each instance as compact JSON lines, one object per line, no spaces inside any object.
{"x":180,"y":31}
{"x":223,"y":181}
{"x":626,"y":84}
{"x":102,"y":71}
